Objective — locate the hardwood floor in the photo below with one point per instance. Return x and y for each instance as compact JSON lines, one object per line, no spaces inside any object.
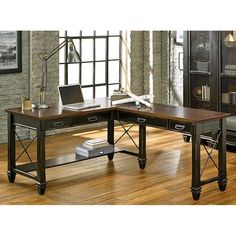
{"x":166,"y":179}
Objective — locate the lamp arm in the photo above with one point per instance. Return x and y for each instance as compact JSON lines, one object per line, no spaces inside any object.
{"x":45,"y":66}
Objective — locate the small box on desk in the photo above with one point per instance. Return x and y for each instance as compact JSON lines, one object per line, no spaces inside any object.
{"x":81,"y":150}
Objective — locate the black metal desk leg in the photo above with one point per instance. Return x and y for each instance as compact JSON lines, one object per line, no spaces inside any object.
{"x":110,"y":134}
{"x":222,"y":173}
{"x":11,"y":149}
{"x":196,"y":181}
{"x":41,"y":161}
{"x":142,"y":146}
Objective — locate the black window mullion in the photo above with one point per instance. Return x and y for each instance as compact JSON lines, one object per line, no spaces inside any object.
{"x":80,"y":53}
{"x":120,"y":58}
{"x":107,"y":64}
{"x":66,"y":64}
{"x":94,"y":66}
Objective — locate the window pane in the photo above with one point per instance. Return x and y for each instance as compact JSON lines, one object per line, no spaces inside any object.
{"x":87,"y":74}
{"x":61,"y":33}
{"x":112,"y":88}
{"x":113,"y":72}
{"x":114,"y":47}
{"x":73,"y":33}
{"x":62,"y":53}
{"x":100,"y":49}
{"x":87,"y":32}
{"x":101,"y":33}
{"x":61,"y":74}
{"x":73,"y":73}
{"x":100,"y":72}
{"x":87,"y":93}
{"x":114,"y":32}
{"x":100,"y":91}
{"x":87,"y":50}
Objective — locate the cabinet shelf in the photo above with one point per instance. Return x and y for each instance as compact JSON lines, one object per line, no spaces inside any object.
{"x":201,"y":100}
{"x":223,"y":75}
{"x":197,"y":72}
{"x":229,"y":104}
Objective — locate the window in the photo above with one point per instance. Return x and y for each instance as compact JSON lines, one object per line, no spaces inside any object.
{"x":99,"y":71}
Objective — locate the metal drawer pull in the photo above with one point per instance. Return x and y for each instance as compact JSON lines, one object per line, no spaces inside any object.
{"x":92,"y":118}
{"x":141,"y":120}
{"x":179,"y":127}
{"x":58,"y":124}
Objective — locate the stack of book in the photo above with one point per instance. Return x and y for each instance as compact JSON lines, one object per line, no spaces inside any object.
{"x":94,"y":147}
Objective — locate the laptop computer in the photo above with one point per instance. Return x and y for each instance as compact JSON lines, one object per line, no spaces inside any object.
{"x":72,"y":97}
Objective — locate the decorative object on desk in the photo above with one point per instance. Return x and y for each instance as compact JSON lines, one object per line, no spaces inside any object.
{"x":197,"y":92}
{"x":133,"y":98}
{"x":81,"y":150}
{"x":73,"y":56}
{"x":26,"y":104}
{"x":10,"y":52}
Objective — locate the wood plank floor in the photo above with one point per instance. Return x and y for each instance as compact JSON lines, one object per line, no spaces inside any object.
{"x":166,"y":179}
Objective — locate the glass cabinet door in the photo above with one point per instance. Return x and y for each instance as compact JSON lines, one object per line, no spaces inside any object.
{"x":228,"y":53}
{"x":199,"y":51}
{"x":228,"y":71}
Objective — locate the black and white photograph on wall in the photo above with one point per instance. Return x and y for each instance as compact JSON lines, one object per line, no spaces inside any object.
{"x":10,"y":52}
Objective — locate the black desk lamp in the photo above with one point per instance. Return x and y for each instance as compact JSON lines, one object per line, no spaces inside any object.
{"x":73,"y":56}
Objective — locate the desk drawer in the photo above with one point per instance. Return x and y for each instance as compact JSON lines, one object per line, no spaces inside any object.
{"x":142,"y":120}
{"x":58,"y":124}
{"x":91,"y":119}
{"x":180,"y":127}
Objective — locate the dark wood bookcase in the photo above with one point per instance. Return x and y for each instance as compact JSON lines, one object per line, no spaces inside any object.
{"x":210,"y":74}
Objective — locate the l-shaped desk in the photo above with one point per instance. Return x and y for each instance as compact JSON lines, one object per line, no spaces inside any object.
{"x":194,"y":122}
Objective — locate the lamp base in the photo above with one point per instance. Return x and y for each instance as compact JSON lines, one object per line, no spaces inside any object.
{"x":40,"y":106}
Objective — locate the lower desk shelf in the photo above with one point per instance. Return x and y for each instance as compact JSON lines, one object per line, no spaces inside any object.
{"x":28,"y":167}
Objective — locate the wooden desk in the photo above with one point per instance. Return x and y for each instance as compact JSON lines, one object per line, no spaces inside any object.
{"x":186,"y":120}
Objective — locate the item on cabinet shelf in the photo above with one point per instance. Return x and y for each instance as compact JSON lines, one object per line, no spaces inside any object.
{"x":95,"y":143}
{"x":231,"y":123}
{"x":197,"y":92}
{"x":230,"y":72}
{"x":202,"y":65}
{"x":233,"y":97}
{"x":26,"y":104}
{"x":206,"y":93}
{"x":229,"y":41}
{"x":80,"y":150}
{"x":226,"y":98}
{"x":230,"y":67}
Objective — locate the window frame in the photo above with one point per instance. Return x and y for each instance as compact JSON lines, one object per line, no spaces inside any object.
{"x":80,"y":39}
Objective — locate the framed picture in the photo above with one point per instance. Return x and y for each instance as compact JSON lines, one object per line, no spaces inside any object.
{"x":179,"y":37}
{"x":10,"y":52}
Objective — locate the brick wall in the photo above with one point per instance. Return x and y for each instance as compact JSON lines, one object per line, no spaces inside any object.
{"x":13,"y":86}
{"x":167,"y":77}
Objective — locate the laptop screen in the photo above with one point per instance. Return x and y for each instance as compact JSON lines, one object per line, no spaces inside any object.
{"x":71,"y":94}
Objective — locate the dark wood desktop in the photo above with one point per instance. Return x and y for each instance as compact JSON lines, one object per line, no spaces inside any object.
{"x":190,"y":121}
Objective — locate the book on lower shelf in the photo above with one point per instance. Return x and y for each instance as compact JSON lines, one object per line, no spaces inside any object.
{"x":88,"y":152}
{"x":95,"y":143}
